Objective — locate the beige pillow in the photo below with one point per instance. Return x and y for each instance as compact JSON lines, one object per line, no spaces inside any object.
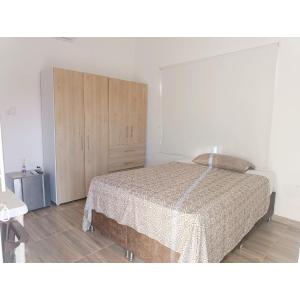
{"x":224,"y":162}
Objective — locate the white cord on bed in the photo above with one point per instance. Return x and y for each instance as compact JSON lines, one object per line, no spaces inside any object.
{"x":184,"y":196}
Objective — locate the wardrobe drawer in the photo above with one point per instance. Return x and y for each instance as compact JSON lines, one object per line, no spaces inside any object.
{"x":123,"y":163}
{"x":126,"y":151}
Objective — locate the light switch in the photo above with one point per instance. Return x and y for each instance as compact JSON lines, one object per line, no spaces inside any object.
{"x":12,"y":111}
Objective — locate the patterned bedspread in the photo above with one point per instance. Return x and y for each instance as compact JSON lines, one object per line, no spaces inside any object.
{"x":200,"y":212}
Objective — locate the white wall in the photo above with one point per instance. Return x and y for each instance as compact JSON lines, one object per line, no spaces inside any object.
{"x":204,"y":100}
{"x":22,"y":59}
{"x":285,"y":144}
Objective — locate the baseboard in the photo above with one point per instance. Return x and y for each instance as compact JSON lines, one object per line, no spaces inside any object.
{"x":285,"y":221}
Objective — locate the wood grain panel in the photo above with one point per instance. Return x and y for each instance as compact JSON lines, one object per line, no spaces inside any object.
{"x":118,"y":112}
{"x":127,"y":124}
{"x":149,"y":250}
{"x":69,"y":132}
{"x":96,"y":126}
{"x":111,"y":229}
{"x":137,"y":114}
{"x":125,"y":151}
{"x":127,"y":112}
{"x":144,"y":247}
{"x":124,"y":163}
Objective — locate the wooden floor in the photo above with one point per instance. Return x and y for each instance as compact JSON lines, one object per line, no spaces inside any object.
{"x":56,"y":236}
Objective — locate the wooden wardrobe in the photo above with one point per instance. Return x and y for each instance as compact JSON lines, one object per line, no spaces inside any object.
{"x":92,"y":125}
{"x":127,"y":124}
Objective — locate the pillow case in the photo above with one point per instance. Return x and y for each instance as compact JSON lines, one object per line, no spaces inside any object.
{"x":222,"y":161}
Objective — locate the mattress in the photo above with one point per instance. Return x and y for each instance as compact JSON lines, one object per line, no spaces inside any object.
{"x":200,"y":212}
{"x":270,"y":175}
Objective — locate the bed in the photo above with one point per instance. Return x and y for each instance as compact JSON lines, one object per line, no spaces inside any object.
{"x":178,"y":212}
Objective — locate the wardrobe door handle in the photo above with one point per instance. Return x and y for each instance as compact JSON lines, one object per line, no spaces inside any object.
{"x":127,"y":131}
{"x":131,"y":134}
{"x":88,"y":140}
{"x":129,"y":150}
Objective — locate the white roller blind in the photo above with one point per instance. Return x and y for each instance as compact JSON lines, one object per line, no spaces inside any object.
{"x":225,"y":100}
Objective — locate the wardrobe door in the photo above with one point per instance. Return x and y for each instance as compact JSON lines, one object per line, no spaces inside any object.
{"x":137,"y":114}
{"x":96,"y":126}
{"x":127,"y":124}
{"x":119,"y":99}
{"x":69,"y":135}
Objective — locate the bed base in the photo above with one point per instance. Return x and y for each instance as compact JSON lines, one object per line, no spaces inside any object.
{"x":145,"y":248}
{"x":133,"y":242}
{"x":266,"y":218}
